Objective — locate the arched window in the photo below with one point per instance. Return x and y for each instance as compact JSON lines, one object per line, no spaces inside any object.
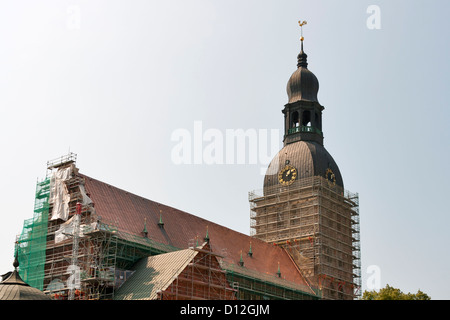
{"x":295,"y":121}
{"x":318,"y":121}
{"x":306,"y":119}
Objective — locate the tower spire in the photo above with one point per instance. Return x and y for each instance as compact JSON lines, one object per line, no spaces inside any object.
{"x":302,"y":56}
{"x":241,"y":261}
{"x":206,"y":238}
{"x":279,"y":271}
{"x":301,"y":24}
{"x":145,"y":231}
{"x":16,"y":255}
{"x":160,"y":223}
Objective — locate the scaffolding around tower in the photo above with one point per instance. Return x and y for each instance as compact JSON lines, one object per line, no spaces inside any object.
{"x":317,"y":223}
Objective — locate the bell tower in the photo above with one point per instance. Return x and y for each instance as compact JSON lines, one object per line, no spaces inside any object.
{"x":303,"y":112}
{"x":303,"y":206}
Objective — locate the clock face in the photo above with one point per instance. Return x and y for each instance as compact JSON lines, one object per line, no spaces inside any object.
{"x":287,"y":175}
{"x":330,"y":176}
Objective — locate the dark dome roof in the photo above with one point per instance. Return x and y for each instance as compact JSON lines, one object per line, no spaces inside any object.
{"x":14,"y":288}
{"x":308,"y":157}
{"x":303,"y":84}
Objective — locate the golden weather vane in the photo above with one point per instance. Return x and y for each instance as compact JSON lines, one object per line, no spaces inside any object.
{"x":301,"y":24}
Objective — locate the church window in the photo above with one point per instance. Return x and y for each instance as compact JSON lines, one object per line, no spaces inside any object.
{"x":306,"y":119}
{"x":295,"y":121}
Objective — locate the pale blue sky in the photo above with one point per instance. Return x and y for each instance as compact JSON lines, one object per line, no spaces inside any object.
{"x":112,"y":80}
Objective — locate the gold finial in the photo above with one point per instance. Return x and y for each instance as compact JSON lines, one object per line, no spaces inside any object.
{"x":301,"y":24}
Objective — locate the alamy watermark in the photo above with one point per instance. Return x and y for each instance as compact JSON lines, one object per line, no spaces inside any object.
{"x":73,"y":21}
{"x":74,"y":280}
{"x":374,"y":279}
{"x":373,"y":22}
{"x":230,"y":146}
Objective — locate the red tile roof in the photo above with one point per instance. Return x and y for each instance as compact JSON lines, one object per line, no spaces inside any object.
{"x":129,"y":211}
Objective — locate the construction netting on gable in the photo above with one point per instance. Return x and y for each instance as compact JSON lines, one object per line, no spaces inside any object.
{"x":31,"y":243}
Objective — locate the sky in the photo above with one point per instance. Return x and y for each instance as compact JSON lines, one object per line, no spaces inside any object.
{"x":119,"y":82}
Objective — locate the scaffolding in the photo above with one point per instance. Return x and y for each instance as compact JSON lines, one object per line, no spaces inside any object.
{"x":202,"y":279}
{"x":317,"y":223}
{"x":83,"y":257}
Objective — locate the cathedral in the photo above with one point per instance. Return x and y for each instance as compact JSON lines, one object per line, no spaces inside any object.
{"x":89,"y":240}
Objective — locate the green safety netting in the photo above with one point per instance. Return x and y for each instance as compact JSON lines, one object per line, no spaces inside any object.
{"x":31,"y":244}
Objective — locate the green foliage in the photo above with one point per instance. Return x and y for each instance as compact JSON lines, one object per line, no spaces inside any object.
{"x":391,"y":293}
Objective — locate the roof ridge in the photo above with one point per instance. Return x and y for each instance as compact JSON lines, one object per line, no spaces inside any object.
{"x":167,"y":206}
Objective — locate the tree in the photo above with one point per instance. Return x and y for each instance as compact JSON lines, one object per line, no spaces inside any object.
{"x":391,"y":293}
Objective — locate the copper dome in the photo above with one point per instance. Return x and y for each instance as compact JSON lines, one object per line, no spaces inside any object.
{"x":308,"y":158}
{"x":303,"y":84}
{"x":14,"y":288}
